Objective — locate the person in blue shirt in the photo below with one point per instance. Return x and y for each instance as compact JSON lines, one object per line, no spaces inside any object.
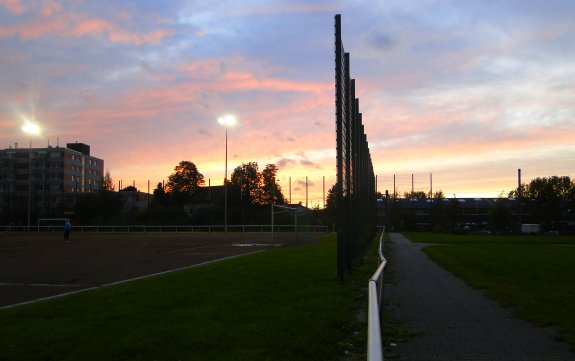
{"x":67,"y":230}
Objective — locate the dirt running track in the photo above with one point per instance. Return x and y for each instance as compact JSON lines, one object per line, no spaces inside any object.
{"x":39,"y":265}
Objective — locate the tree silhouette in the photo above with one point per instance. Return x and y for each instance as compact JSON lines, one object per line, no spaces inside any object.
{"x":184,"y":181}
{"x":247,"y":178}
{"x":159,"y":194}
{"x":330,"y":212}
{"x":257,"y":188}
{"x":500,"y":216}
{"x":107,"y":182}
{"x":546,"y":199}
{"x":415,"y":195}
{"x":270,"y":191}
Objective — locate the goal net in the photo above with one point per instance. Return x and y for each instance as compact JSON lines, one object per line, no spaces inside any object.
{"x":289,"y":223}
{"x":51,"y":224}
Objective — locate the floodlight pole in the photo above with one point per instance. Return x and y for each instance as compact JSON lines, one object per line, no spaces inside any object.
{"x":226,"y":121}
{"x":226,"y":187}
{"x":29,"y":182}
{"x":31,"y":129}
{"x":273,"y":233}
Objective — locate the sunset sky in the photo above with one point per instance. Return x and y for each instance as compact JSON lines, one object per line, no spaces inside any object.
{"x":468,"y":91}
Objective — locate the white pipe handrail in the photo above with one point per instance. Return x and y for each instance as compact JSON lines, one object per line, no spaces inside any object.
{"x":374,"y":342}
{"x":374,"y":346}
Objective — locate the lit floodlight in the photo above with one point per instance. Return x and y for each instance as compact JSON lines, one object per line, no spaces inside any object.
{"x":31,"y":128}
{"x":227,"y":120}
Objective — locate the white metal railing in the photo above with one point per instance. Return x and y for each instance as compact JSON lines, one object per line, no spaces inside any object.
{"x":375,"y":297}
{"x":186,"y":228}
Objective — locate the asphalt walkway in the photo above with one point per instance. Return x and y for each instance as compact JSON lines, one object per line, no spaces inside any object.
{"x":452,"y":321}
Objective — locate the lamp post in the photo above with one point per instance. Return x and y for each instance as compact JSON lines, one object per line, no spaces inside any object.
{"x":32,"y":129}
{"x":227,"y":121}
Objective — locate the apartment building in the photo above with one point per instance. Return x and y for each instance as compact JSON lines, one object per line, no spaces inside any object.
{"x":50,"y":177}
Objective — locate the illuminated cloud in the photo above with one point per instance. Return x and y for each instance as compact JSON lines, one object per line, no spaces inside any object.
{"x":13,"y":6}
{"x":48,"y":20}
{"x":50,"y":7}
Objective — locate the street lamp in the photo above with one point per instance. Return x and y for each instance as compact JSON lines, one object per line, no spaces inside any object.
{"x":32,"y":129}
{"x":227,"y":121}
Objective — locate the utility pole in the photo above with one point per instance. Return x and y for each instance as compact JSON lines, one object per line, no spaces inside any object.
{"x":306,"y":191}
{"x":324,"y":192}
{"x":520,"y":195}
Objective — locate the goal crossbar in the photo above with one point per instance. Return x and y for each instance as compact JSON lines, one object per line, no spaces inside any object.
{"x":51,"y":220}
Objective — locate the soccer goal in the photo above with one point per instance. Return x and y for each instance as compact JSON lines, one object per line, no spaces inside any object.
{"x":51,"y":224}
{"x":292,"y":226}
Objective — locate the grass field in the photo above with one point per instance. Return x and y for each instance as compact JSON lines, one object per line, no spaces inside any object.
{"x":535,"y":276}
{"x":283,"y":304}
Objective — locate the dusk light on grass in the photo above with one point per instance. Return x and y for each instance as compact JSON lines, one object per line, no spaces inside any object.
{"x":469,"y":91}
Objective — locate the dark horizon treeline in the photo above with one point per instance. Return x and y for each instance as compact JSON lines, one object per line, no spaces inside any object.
{"x":183,"y":200}
{"x":546,"y":201}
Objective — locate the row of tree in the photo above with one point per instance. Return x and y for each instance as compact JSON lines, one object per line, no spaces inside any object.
{"x":257,"y":188}
{"x":250,"y":190}
{"x":547,"y":201}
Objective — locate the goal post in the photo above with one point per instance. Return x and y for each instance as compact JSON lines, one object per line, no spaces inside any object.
{"x":49,"y":222}
{"x":279,"y":209}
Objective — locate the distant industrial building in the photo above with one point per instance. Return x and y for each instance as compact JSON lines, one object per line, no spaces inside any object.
{"x":427,"y":214}
{"x":473,"y":215}
{"x":51,"y":178}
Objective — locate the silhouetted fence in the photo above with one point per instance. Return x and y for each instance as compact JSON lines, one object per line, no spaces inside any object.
{"x":356,"y":202}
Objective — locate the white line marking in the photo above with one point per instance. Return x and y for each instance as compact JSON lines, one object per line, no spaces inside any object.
{"x":40,"y":285}
{"x":188,"y":249}
{"x":125,"y":281}
{"x":256,"y":244}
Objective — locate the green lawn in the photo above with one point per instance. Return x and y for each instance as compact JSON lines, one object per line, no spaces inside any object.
{"x":283,"y":304}
{"x":433,"y":237}
{"x":535,"y":276}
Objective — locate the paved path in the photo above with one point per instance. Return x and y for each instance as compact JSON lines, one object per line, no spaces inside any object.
{"x":455,"y":322}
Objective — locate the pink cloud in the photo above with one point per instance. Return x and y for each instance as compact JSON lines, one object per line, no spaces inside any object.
{"x":13,"y":6}
{"x":288,"y":85}
{"x":238,"y":80}
{"x":50,"y":7}
{"x":82,"y":26}
{"x":217,"y":79}
{"x":90,"y":26}
{"x":77,"y":25}
{"x":121,"y":36}
{"x":34,"y":30}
